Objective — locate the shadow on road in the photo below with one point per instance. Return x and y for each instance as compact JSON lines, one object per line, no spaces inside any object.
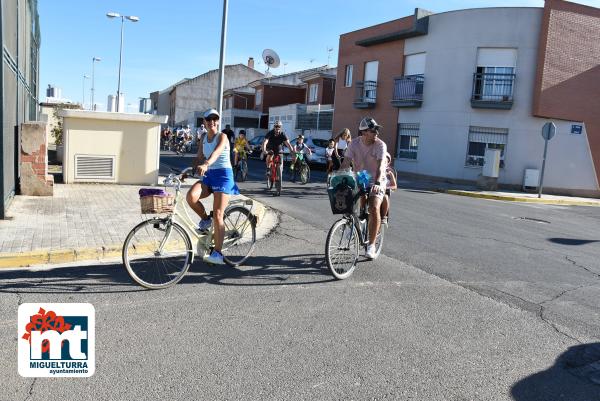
{"x":258,"y":271}
{"x":575,"y":376}
{"x":572,"y":241}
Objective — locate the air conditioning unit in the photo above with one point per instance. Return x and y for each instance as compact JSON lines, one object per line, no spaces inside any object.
{"x":531,"y":179}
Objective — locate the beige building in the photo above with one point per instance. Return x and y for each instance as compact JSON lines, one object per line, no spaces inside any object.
{"x":111,"y":147}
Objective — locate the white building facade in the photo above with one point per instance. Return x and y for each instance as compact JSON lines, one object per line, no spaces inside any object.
{"x":477,"y":69}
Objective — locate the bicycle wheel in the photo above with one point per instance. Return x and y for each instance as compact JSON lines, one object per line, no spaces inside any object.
{"x":244,"y":170}
{"x":342,"y":248}
{"x":269,"y":179}
{"x":240,"y":235}
{"x":304,"y":173}
{"x":278,"y":182}
{"x":157,"y":253}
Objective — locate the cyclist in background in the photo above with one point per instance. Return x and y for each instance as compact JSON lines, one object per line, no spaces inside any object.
{"x":391,"y":185}
{"x":240,"y":148}
{"x":273,"y":144}
{"x":300,"y":147}
{"x":368,"y":153}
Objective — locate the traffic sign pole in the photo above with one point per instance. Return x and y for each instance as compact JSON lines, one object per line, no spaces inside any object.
{"x":543,"y":168}
{"x":548,"y":131}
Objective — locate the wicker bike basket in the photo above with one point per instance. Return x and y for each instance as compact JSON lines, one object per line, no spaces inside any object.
{"x":152,"y":201}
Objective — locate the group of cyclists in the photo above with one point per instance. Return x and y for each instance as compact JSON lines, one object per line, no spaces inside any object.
{"x":367,"y":153}
{"x":179,"y":140}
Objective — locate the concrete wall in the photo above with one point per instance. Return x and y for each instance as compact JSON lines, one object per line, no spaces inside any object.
{"x":200,"y":93}
{"x":446,"y":113}
{"x":133,"y":139}
{"x":51,"y":121}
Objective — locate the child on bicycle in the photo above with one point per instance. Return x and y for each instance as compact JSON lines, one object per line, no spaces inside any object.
{"x":299,"y":148}
{"x":390,"y":175}
{"x":240,"y":147}
{"x":329,"y":154}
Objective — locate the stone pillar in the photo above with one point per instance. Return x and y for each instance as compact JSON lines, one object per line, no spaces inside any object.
{"x":35,"y":179}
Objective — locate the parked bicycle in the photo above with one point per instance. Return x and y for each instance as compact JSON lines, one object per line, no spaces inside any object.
{"x":349,"y":234}
{"x":274,"y":174}
{"x":158,"y":252}
{"x":300,"y":169}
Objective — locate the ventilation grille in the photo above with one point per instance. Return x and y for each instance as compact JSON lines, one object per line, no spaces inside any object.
{"x":88,"y":167}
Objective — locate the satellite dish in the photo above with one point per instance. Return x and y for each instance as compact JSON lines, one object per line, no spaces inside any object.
{"x":270,"y":58}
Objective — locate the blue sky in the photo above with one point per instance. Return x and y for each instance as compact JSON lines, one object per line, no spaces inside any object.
{"x":180,"y":38}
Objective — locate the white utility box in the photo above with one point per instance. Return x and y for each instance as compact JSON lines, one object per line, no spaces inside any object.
{"x":491,"y":163}
{"x":531,"y":180}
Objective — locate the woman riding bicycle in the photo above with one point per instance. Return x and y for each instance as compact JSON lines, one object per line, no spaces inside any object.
{"x":214,"y":165}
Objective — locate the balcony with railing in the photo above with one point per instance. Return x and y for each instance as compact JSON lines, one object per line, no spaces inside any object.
{"x":366,"y":95}
{"x":492,"y":90}
{"x":408,"y":91}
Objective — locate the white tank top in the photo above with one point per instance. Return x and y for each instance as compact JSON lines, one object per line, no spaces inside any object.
{"x":223,"y":161}
{"x":342,"y":144}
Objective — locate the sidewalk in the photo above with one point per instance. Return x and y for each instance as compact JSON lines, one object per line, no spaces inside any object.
{"x":502,"y":195}
{"x":81,"y":222}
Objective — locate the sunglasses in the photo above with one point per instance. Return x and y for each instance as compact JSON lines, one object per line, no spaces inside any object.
{"x":211,"y":118}
{"x":278,"y":126}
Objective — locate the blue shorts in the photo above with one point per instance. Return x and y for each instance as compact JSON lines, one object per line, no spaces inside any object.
{"x":220,"y":180}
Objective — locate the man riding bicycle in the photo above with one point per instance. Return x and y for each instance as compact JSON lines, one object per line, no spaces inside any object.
{"x":273,"y":144}
{"x":368,"y":152}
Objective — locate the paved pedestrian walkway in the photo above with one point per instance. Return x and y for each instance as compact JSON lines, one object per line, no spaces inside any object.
{"x":80,"y":222}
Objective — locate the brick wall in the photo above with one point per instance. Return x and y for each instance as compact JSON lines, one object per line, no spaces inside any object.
{"x":34,"y":178}
{"x":568,"y":70}
{"x":391,"y":64}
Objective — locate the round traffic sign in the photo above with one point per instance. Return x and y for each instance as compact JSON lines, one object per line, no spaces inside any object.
{"x":548,"y":130}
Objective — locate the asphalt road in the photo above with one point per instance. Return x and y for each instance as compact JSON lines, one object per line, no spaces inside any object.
{"x":468,"y":302}
{"x":541,"y":258}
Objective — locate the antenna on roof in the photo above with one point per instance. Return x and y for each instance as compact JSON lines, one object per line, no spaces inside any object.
{"x":270,"y":58}
{"x":284,"y":64}
{"x":329,"y":50}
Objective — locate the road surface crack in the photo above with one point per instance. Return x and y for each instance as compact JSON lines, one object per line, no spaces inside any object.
{"x":30,"y":393}
{"x":582,"y":267}
{"x":493,"y":239}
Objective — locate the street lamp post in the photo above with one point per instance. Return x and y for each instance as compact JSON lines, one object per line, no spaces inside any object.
{"x":131,"y":18}
{"x":83,"y":91}
{"x":222,"y":58}
{"x":94,"y":59}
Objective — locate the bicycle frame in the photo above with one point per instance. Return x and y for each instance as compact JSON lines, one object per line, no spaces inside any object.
{"x":356,"y":219}
{"x":181,"y":216}
{"x":275,"y":162}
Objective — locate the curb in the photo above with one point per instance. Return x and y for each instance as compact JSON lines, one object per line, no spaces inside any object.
{"x":563,"y":202}
{"x":49,"y":257}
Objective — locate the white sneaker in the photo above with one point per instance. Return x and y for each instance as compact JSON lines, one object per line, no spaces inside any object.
{"x":204,"y":225}
{"x":371,"y":252}
{"x":216,"y":258}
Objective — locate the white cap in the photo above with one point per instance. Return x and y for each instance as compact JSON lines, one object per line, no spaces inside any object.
{"x":211,"y":112}
{"x":368,"y":123}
